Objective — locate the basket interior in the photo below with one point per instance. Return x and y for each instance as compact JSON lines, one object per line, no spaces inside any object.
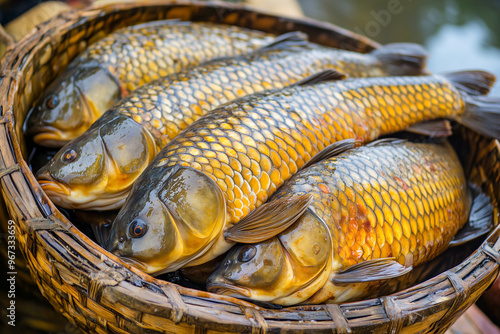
{"x":37,"y":60}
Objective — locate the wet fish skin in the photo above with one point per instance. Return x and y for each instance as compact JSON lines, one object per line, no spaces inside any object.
{"x":262,"y":140}
{"x":246,"y":149}
{"x":126,"y":59}
{"x":401,"y":200}
{"x":142,"y":53}
{"x":166,"y":106}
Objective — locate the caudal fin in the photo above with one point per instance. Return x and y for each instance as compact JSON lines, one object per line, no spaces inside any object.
{"x":482,"y":113}
{"x":402,"y":59}
{"x":480,"y":219}
{"x":472,"y":82}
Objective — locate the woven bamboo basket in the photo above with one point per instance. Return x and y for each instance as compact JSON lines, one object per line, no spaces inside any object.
{"x":100,"y":294}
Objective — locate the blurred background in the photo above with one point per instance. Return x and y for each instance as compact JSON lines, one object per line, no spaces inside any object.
{"x":459,"y":34}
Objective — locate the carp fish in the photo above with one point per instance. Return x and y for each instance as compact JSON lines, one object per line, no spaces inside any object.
{"x":97,"y":170}
{"x":121,"y":62}
{"x":376,"y":212}
{"x":229,"y":162}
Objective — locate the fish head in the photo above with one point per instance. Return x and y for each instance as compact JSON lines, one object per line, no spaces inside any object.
{"x":169,"y":221}
{"x":250,"y":271}
{"x":71,"y":104}
{"x":97,"y":170}
{"x":285,"y":269}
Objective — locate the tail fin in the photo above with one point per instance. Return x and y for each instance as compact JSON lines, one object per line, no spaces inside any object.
{"x":472,"y":82}
{"x":482,"y":114}
{"x":480,"y":219}
{"x":402,"y":58}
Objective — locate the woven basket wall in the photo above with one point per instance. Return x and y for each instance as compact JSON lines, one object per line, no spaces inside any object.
{"x":100,"y":294}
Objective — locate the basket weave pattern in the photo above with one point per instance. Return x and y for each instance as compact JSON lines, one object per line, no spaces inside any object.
{"x":100,"y":294}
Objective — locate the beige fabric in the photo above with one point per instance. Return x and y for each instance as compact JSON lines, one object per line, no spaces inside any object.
{"x":290,"y":8}
{"x":38,"y":14}
{"x":21,"y":26}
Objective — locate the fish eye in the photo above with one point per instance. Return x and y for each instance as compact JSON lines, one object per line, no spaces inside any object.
{"x":247,"y":253}
{"x":137,"y":228}
{"x":52,"y":102}
{"x":69,"y":156}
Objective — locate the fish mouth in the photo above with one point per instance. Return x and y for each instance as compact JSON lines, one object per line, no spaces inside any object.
{"x":69,"y":198}
{"x":51,"y":134}
{"x":51,"y":187}
{"x":57,"y":192}
{"x":48,"y":136}
{"x":227,"y":289}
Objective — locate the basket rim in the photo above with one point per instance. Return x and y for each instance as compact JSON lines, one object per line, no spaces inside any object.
{"x":41,"y":222}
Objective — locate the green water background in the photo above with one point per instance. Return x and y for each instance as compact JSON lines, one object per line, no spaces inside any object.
{"x":459,"y":34}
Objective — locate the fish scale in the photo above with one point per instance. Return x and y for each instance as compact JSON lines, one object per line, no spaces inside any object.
{"x":409,"y":206}
{"x":229,"y":162}
{"x":126,"y":59}
{"x":369,"y":205}
{"x":166,"y":107}
{"x":253,"y":145}
{"x":143,"y":53}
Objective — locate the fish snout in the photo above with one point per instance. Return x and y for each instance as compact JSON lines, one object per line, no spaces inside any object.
{"x":55,"y":190}
{"x":44,"y":133}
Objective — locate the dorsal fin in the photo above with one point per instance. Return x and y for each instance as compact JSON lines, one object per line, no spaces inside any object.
{"x":269,"y":219}
{"x":333,"y":150}
{"x":323,"y":76}
{"x":384,"y":141}
{"x":159,"y":23}
{"x":472,"y":82}
{"x":294,"y":38}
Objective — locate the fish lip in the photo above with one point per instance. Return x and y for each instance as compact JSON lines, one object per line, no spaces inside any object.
{"x":51,"y":186}
{"x":226,"y":289}
{"x":47,"y":136}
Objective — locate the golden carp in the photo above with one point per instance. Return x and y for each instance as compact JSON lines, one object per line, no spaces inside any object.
{"x":124,"y":60}
{"x":229,"y":162}
{"x":97,"y":170}
{"x":398,"y":200}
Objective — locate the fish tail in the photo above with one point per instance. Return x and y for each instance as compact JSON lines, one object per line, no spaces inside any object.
{"x":402,"y":59}
{"x":472,"y":82}
{"x":482,"y":113}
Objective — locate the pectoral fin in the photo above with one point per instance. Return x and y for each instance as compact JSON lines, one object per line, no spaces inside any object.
{"x":371,"y":270}
{"x":269,"y":219}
